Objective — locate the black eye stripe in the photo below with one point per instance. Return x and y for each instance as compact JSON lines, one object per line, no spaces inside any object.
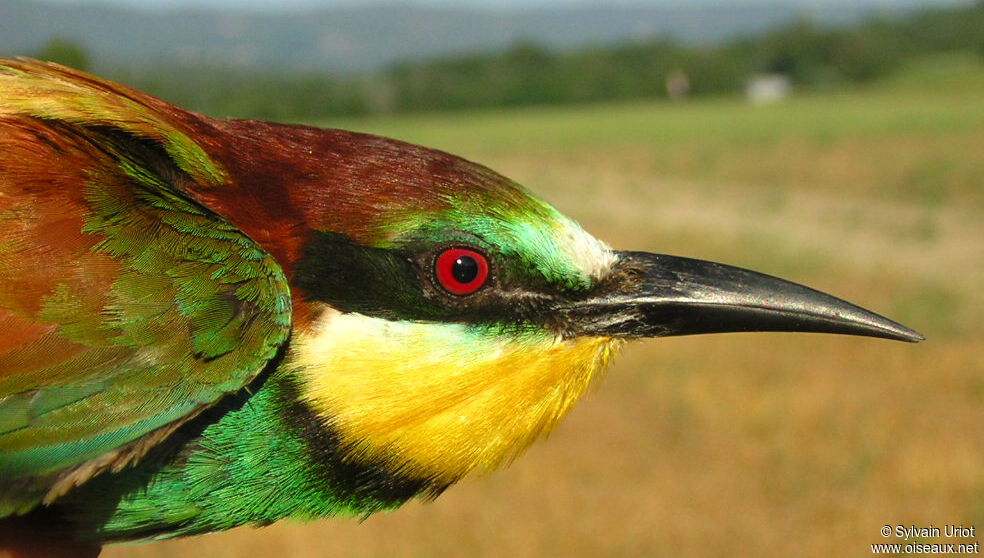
{"x":403,"y":284}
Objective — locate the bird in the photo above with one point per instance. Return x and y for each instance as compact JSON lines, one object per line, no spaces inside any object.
{"x":210,"y":323}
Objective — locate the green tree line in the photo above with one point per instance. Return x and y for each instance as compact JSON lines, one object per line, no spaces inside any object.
{"x":530,"y":74}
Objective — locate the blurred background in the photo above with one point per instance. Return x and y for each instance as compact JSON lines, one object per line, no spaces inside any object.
{"x":835,"y":144}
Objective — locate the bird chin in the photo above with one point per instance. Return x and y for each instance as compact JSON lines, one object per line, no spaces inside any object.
{"x":440,"y":400}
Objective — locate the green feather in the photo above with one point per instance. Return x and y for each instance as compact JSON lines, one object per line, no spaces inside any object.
{"x":252,"y":465}
{"x":193,"y":308}
{"x":53,"y":92}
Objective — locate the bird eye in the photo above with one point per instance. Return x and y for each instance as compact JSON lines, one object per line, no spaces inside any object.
{"x":461,"y":271}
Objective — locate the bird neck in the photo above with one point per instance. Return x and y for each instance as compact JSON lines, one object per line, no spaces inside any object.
{"x":439,"y":400}
{"x":264,"y":438}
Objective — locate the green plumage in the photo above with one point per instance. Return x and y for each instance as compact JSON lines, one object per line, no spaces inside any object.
{"x":251,"y":465}
{"x":157,"y":308}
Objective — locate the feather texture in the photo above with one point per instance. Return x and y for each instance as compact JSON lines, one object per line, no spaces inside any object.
{"x":155,"y":265}
{"x":127,"y":307}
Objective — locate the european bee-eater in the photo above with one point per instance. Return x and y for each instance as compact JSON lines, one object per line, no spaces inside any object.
{"x":210,"y":323}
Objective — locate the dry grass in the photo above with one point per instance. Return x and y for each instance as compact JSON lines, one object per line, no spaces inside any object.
{"x":762,"y":444}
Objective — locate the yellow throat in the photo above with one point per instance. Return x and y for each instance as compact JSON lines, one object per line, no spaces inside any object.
{"x":439,"y":400}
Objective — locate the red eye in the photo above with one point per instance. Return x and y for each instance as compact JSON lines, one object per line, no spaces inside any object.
{"x":461,"y":271}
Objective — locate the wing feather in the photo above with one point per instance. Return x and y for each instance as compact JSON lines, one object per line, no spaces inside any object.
{"x":126,"y":307}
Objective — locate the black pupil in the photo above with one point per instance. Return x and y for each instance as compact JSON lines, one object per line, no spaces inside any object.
{"x":464,"y":270}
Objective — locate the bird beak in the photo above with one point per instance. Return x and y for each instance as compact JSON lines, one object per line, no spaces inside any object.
{"x":654,"y":295}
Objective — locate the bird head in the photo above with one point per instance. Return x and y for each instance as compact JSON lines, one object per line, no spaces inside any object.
{"x":446,"y":317}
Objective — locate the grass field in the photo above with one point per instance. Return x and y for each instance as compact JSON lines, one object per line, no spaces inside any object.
{"x":745,"y":444}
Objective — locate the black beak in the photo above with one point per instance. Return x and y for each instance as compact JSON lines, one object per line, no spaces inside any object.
{"x":653,"y":295}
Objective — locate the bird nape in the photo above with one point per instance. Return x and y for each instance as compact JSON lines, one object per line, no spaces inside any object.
{"x":210,"y":323}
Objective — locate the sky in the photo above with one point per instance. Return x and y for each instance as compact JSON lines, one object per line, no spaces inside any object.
{"x":279,"y":5}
